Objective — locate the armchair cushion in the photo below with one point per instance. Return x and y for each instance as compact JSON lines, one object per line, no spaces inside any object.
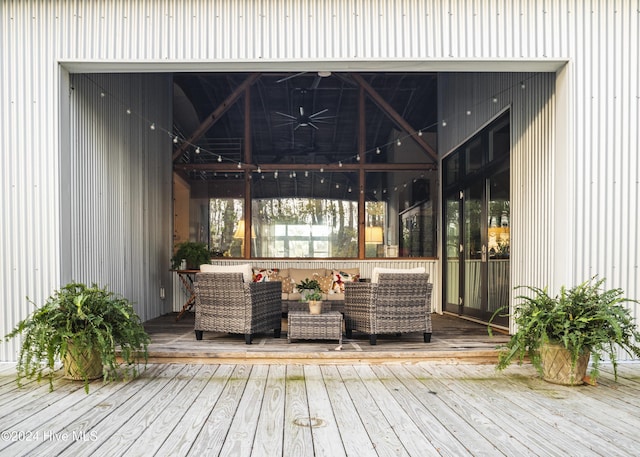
{"x":245,"y":269}
{"x":375,"y":275}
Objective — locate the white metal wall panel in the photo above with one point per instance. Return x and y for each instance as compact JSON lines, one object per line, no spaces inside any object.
{"x":118,"y":187}
{"x":595,"y":139}
{"x":468,"y":102}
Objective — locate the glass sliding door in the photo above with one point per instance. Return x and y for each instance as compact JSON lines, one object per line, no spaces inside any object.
{"x":477,"y":220}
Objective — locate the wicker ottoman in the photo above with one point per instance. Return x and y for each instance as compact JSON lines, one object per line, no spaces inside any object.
{"x":305,"y":326}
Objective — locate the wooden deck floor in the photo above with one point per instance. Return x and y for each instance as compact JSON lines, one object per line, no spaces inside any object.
{"x":410,"y":409}
{"x":453,"y":339}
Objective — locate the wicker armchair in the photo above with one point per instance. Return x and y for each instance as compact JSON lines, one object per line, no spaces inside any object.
{"x":224,"y":303}
{"x":398,"y":303}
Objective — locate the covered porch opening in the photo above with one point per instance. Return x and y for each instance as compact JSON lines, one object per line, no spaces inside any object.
{"x":349,"y":161}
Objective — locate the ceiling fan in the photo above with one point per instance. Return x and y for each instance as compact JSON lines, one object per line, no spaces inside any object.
{"x":303,"y":119}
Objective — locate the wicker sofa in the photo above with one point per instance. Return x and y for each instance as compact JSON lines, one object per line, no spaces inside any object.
{"x":226,"y":303}
{"x":395,"y":303}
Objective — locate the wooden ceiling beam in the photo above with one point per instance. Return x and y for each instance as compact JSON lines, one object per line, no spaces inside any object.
{"x":394,"y":115}
{"x":216,"y":114}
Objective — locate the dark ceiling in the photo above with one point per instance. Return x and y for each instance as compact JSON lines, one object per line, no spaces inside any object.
{"x":298,"y":118}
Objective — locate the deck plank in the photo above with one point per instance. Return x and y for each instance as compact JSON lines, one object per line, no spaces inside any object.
{"x":426,"y":419}
{"x":214,"y":431}
{"x":574,"y":433}
{"x":297,"y":433}
{"x":380,"y":431}
{"x":366,"y":410}
{"x":353,"y":433}
{"x":181,"y":437}
{"x":270,"y":428}
{"x":241,"y":435}
{"x":324,"y":429}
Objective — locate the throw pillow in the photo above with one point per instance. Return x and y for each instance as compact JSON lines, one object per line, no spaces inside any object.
{"x":264,"y":274}
{"x":325,"y":283}
{"x":339,"y":278}
{"x":287,"y":284}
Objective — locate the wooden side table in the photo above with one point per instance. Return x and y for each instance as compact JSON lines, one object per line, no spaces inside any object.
{"x":305,"y":326}
{"x":187,"y":277}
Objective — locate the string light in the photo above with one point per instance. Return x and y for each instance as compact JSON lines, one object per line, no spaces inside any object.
{"x":275,"y":174}
{"x":321,"y":180}
{"x":259,"y":170}
{"x":306,"y":173}
{"x":176,"y":139}
{"x":349,"y":189}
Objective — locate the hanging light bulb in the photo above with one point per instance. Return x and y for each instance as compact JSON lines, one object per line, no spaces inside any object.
{"x":294,"y":174}
{"x":349,"y":189}
{"x":275,"y":174}
{"x":198,"y":150}
{"x":259,"y":169}
{"x":399,"y":143}
{"x":358,"y":157}
{"x":468,"y":112}
{"x":522,"y":86}
{"x":219,"y":158}
{"x":306,"y":173}
{"x":419,"y":132}
{"x":321,"y":170}
{"x":444,"y":123}
{"x":128,"y":111}
{"x":102,"y":94}
{"x":239,"y":164}
{"x":340,"y":163}
{"x":377,"y":150}
{"x":337,"y":186}
{"x":175,"y":139}
{"x":321,"y":180}
{"x":152,"y":126}
{"x":494,"y":99}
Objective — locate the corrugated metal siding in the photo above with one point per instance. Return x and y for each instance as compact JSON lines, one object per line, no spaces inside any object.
{"x":468,"y":102}
{"x":118,"y":189}
{"x":595,"y":141}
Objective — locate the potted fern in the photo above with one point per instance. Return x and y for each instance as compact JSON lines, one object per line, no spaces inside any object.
{"x":195,"y":254}
{"x":560,"y":334}
{"x":89,"y":329}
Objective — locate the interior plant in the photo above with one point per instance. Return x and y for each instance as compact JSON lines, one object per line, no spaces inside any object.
{"x":307,"y":287}
{"x":76,"y":321}
{"x":314,"y":299}
{"x":194,"y":253}
{"x":585,"y":320}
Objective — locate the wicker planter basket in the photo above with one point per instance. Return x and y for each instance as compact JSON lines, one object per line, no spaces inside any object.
{"x":556,"y":365}
{"x":90,"y":361}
